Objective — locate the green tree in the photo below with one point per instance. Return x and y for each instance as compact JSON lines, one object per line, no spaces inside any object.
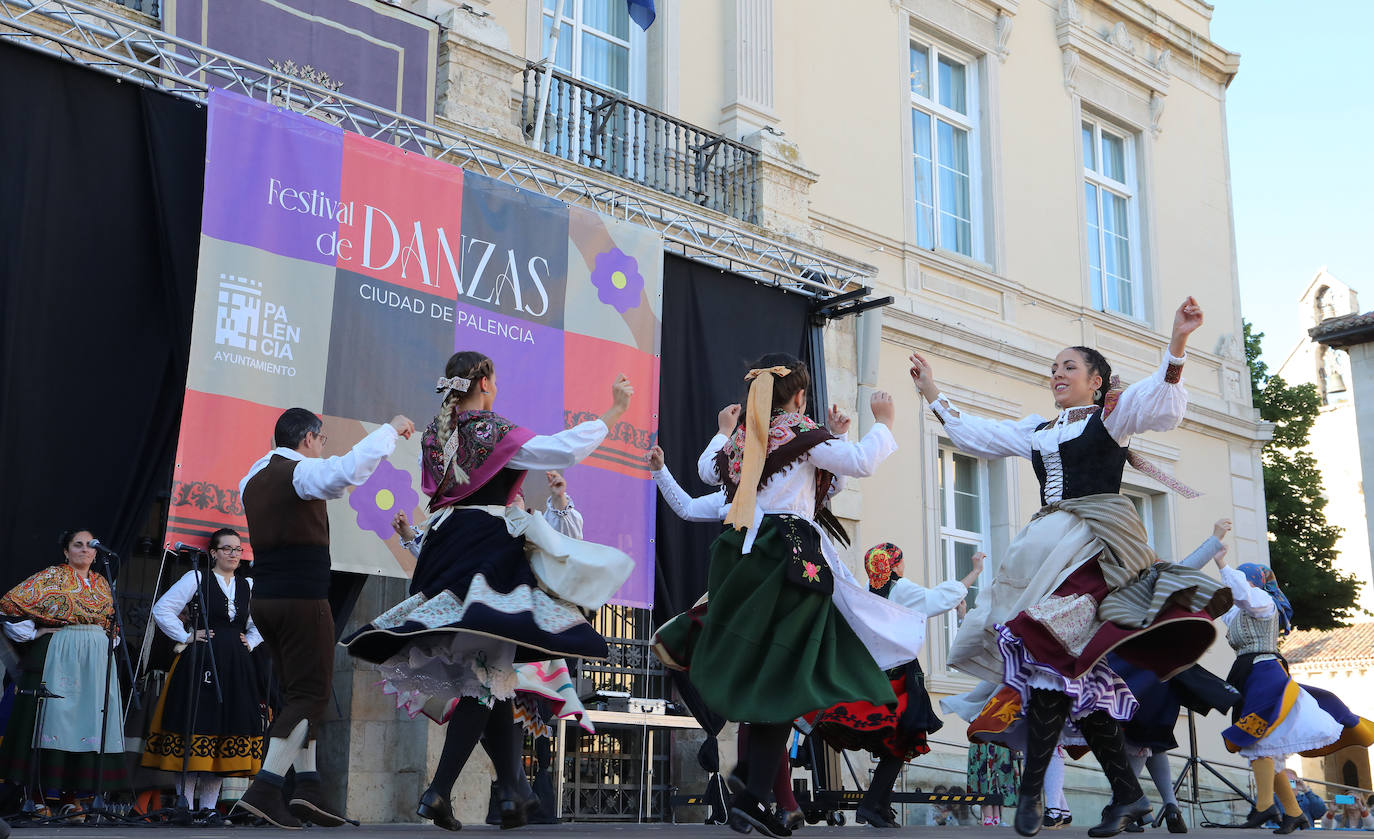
{"x":1302,"y":543}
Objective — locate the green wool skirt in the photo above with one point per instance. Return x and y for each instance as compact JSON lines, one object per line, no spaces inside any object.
{"x":768,"y":650}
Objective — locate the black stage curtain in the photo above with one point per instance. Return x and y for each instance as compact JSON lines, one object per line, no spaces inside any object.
{"x":100,"y":197}
{"x":716,"y":324}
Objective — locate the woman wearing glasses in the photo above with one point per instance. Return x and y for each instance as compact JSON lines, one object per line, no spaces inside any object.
{"x":226,"y":732}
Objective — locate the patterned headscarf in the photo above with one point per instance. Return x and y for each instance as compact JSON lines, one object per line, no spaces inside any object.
{"x":1262,"y":577}
{"x":878,"y":563}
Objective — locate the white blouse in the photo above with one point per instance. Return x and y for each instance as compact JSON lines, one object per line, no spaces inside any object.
{"x":1151,"y":404}
{"x":928,"y":601}
{"x":167,"y":609}
{"x":1255,"y":602}
{"x":793,"y":490}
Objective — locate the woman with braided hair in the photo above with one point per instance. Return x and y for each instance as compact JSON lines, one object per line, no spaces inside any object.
{"x":485,"y":594}
{"x":893,"y":733}
{"x":778,"y":641}
{"x":1080,"y":580}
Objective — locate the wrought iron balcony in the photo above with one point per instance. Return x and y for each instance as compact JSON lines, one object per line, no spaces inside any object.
{"x":604,"y":130}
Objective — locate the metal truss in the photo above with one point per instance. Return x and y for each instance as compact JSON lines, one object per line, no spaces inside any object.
{"x":130,"y":50}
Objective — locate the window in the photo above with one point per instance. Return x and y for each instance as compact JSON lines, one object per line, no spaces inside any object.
{"x":1153,"y":509}
{"x":963,"y":519}
{"x":1109,"y":184}
{"x":598,"y":44}
{"x":944,"y":130}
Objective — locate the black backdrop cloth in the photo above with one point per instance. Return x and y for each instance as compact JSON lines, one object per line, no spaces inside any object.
{"x":719,"y":324}
{"x":100,"y":197}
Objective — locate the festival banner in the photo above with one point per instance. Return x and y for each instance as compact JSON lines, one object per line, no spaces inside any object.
{"x":338,"y":274}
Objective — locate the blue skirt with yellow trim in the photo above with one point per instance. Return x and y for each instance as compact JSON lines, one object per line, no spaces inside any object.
{"x":1279,"y":717}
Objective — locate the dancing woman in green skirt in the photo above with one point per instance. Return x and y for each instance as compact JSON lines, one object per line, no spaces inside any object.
{"x":775,"y":644}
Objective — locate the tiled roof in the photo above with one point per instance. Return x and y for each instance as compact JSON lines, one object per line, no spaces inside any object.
{"x":1352,"y":643}
{"x":1359,"y":327}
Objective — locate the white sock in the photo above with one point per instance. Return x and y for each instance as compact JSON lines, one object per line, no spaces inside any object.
{"x":283,"y":751}
{"x":1054,"y":783}
{"x":1137,"y":763}
{"x":1163,"y":778}
{"x":305,"y":758}
{"x":209,"y":790}
{"x":186,"y":785}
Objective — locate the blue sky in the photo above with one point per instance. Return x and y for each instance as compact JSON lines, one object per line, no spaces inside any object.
{"x":1300,"y":118}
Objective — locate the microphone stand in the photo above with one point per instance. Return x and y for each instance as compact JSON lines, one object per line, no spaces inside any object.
{"x":200,"y":617}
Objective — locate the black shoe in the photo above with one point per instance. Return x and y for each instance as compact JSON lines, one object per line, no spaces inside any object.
{"x":1056,"y":818}
{"x":307,"y":804}
{"x":1170,"y":814}
{"x":874,"y":818}
{"x":437,"y":809}
{"x":1257,"y":818}
{"x":747,"y":812}
{"x":265,"y":801}
{"x":516,"y":813}
{"x":1029,"y":816}
{"x":1288,"y":824}
{"x":792,"y":819}
{"x":1117,"y":817}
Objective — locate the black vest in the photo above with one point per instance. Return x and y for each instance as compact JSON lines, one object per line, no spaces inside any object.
{"x":218,"y":604}
{"x":1091,"y":462}
{"x":495,"y":492}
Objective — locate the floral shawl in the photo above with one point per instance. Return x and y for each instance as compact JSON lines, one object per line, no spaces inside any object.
{"x":56,"y":596}
{"x":790,"y":436}
{"x":486,"y":442}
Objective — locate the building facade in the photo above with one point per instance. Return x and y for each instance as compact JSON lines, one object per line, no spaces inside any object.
{"x":1018,"y":175}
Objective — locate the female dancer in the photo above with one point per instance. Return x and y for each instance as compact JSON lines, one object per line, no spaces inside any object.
{"x":226,"y":736}
{"x":477,"y":605}
{"x":1073,"y":586}
{"x":1276,"y":716}
{"x":774,"y":644}
{"x":893,"y":734}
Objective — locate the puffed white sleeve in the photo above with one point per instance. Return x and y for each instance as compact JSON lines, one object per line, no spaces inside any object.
{"x":567,"y":521}
{"x":706,"y":464}
{"x":1152,"y":404}
{"x":702,"y":508}
{"x":857,"y":460}
{"x":326,"y":478}
{"x":561,"y":450}
{"x":21,"y":631}
{"x":167,"y":609}
{"x":929,"y":601}
{"x":984,"y":437}
{"x":251,"y":632}
{"x":1253,"y":601}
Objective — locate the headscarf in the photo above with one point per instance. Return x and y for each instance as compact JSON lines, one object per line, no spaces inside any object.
{"x":1262,"y":577}
{"x":878,"y":564}
{"x":758,"y":414}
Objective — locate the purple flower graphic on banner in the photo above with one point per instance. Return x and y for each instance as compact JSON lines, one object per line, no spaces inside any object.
{"x":617,"y":280}
{"x":380,"y":496}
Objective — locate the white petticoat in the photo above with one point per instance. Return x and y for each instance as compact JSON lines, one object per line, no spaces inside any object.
{"x":1305,"y":727}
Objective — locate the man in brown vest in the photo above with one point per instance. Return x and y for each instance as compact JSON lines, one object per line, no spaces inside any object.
{"x":284,"y":497}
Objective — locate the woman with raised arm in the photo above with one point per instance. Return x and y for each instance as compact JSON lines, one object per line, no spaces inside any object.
{"x":776,"y":641}
{"x":487,"y":591}
{"x":1276,"y":716}
{"x":1080,"y":580}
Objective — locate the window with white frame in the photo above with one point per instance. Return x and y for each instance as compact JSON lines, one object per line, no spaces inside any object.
{"x":1153,"y":509}
{"x":945,"y":149}
{"x":598,"y":44}
{"x":1144,"y":507}
{"x":1111,"y":204}
{"x":963,"y":519}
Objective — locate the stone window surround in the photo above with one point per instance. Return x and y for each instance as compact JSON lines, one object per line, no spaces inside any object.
{"x":979,"y":30}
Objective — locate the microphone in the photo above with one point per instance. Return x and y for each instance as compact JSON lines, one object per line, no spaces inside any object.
{"x":179,"y":547}
{"x":100,"y":546}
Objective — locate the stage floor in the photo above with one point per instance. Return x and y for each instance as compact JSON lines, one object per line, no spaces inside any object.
{"x":619,"y":831}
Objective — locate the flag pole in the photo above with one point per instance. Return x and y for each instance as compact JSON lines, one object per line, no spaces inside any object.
{"x":538,"y":140}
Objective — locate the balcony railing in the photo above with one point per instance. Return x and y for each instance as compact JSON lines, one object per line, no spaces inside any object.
{"x":604,"y":130}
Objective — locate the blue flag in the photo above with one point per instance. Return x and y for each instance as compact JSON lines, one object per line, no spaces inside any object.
{"x":642,"y":12}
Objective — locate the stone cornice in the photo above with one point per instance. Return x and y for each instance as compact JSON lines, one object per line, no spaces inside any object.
{"x":1114,"y":49}
{"x":1174,"y":37}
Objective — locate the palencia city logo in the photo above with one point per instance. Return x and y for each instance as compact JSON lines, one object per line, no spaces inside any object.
{"x":256,"y":332}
